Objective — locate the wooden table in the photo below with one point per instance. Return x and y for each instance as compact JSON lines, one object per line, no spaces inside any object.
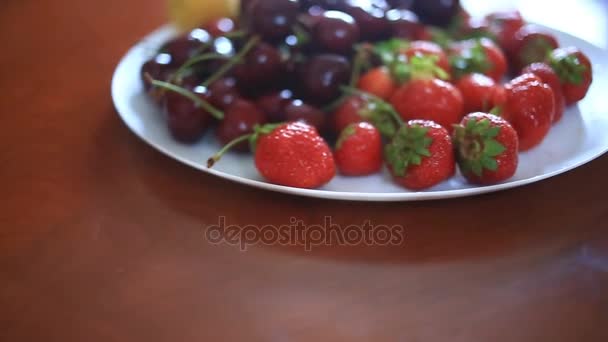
{"x":103,"y":239}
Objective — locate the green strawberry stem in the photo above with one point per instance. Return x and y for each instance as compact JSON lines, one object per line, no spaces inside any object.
{"x":470,"y":61}
{"x":188,"y":94}
{"x":354,"y":91}
{"x":232,"y":62}
{"x":477,"y":146}
{"x":216,"y":157}
{"x":568,"y":68}
{"x":195,"y":60}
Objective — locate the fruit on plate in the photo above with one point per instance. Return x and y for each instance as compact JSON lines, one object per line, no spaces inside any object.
{"x":486,"y":148}
{"x":188,"y":14}
{"x":480,"y":93}
{"x":420,"y":155}
{"x":284,"y":75}
{"x":530,"y":108}
{"x":378,"y":82}
{"x":290,"y":154}
{"x":548,"y":75}
{"x":478,"y":56}
{"x":359,"y":150}
{"x":427,"y":97}
{"x":531,"y":45}
{"x":575,"y":72}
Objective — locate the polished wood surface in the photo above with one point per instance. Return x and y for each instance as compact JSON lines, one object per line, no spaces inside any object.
{"x":103,"y":239}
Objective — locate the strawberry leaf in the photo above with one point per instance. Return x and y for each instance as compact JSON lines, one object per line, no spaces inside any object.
{"x":409,"y":146}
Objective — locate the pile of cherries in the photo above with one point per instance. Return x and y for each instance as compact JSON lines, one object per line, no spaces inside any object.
{"x":281,"y":60}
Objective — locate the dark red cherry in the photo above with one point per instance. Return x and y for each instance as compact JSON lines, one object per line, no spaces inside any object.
{"x":187,"y":123}
{"x":322,"y":76}
{"x":223,"y":92}
{"x":220,"y":27}
{"x":436,"y":12}
{"x":261,"y":67}
{"x":239,"y":119}
{"x":182,"y":48}
{"x":274,"y":19}
{"x":298,"y":110}
{"x":404,"y":24}
{"x":336,"y":32}
{"x":370,"y":15}
{"x":274,"y":104}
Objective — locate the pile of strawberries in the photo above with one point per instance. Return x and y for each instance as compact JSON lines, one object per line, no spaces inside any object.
{"x":425,"y":104}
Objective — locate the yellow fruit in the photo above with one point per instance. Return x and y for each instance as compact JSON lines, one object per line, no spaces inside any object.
{"x":188,"y":14}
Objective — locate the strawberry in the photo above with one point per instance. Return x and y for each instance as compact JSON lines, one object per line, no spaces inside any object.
{"x":503,"y":26}
{"x":531,"y":45}
{"x":420,"y":155}
{"x":486,"y":148}
{"x":364,"y":107}
{"x":480,"y":93}
{"x":359,"y":150}
{"x":575,"y":72}
{"x":547,"y":75}
{"x":423,"y":48}
{"x":529,"y":108}
{"x":291,"y":154}
{"x":378,"y":82}
{"x":480,"y":56}
{"x":427,"y":97}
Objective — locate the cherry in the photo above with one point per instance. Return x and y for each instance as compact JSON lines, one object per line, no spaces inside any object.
{"x":223,"y":93}
{"x":436,"y":12}
{"x":274,"y":104}
{"x":404,"y":24}
{"x":325,"y":4}
{"x":159,"y":68}
{"x":187,"y":123}
{"x":322,"y":75}
{"x":182,"y":48}
{"x":298,"y":110}
{"x":239,"y":119}
{"x":262,"y":66}
{"x":220,"y":27}
{"x":370,"y":16}
{"x":336,"y":32}
{"x":273,"y":19}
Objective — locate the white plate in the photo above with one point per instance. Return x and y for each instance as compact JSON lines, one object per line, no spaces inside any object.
{"x":581,"y":136}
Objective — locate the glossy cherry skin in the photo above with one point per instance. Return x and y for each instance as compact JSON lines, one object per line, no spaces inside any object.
{"x":186,"y":122}
{"x":274,"y":104}
{"x":336,"y":32}
{"x":322,"y":76}
{"x":239,"y":119}
{"x":298,"y":110}
{"x":223,"y":93}
{"x":274,"y":19}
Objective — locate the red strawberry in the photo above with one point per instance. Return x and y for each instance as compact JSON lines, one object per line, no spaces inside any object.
{"x":503,"y":26}
{"x":480,"y":93}
{"x":575,"y":72}
{"x":428,"y":98}
{"x":531,"y":45}
{"x":486,"y":148}
{"x":378,"y":82}
{"x":423,"y":48}
{"x":420,"y":155}
{"x":529,"y":108}
{"x":479,"y":55}
{"x":290,"y":154}
{"x":349,"y":112}
{"x":547,"y":75}
{"x":359,"y":150}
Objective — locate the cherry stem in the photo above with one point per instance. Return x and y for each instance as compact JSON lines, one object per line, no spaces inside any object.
{"x":232,"y":62}
{"x":188,"y":94}
{"x":216,"y":157}
{"x":357,"y":67}
{"x":194,"y":60}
